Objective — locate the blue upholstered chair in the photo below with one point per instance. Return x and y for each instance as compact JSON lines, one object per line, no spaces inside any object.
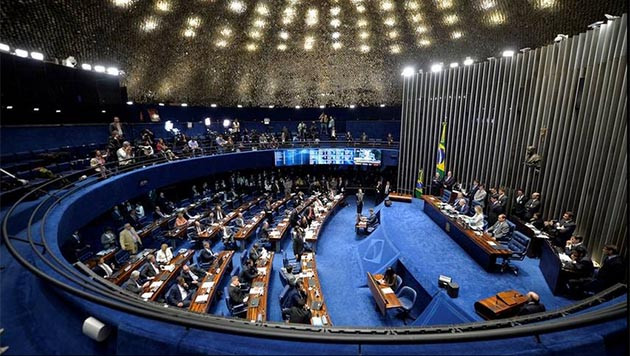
{"x":286,"y":261}
{"x":399,"y":283}
{"x":407,"y":297}
{"x":518,"y":244}
{"x":235,"y":310}
{"x":446,"y":196}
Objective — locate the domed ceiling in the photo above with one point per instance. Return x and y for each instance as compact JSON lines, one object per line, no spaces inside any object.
{"x":284,"y":52}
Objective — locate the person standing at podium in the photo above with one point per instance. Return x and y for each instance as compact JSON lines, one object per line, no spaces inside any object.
{"x":360,"y":195}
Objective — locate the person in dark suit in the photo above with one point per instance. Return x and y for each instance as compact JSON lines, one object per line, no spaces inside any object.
{"x":518,"y":209}
{"x":436,"y":184}
{"x":473,"y":189}
{"x":150,"y":268}
{"x":561,"y":229}
{"x":206,"y":255}
{"x":103,"y":269}
{"x":248,"y":272}
{"x":537,"y":221}
{"x":192,"y":275}
{"x":462,"y":207}
{"x":360,"y":201}
{"x":133,"y":285}
{"x":298,"y":314}
{"x":449,"y":181}
{"x":494,"y":210}
{"x":263,"y":239}
{"x":502,"y":198}
{"x":255,"y":252}
{"x":532,"y":206}
{"x":574,"y":242}
{"x":298,"y":242}
{"x":532,"y":306}
{"x":611,"y":272}
{"x":294,"y":218}
{"x":179,"y":295}
{"x":379,"y":191}
{"x":372,"y":220}
{"x":236,"y":294}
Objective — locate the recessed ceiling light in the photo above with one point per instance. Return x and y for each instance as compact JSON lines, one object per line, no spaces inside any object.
{"x":336,"y":45}
{"x":468,"y":61}
{"x":103,"y":111}
{"x":213,"y":105}
{"x":37,"y":55}
{"x":184,"y":105}
{"x":57,"y":111}
{"x":382,"y":105}
{"x":237,"y":6}
{"x":408,"y":72}
{"x":239,"y":106}
{"x":437,"y":67}
{"x":99,"y":69}
{"x":130,"y":103}
{"x":282,"y":47}
{"x":322,"y":106}
{"x":4,"y":47}
{"x":9,"y":107}
{"x":21,"y":53}
{"x":271,"y":106}
{"x":352,"y":106}
{"x":35,"y":109}
{"x":163,"y":5}
{"x":161,"y":104}
{"x":298,"y":107}
{"x":508,"y":53}
{"x":454,"y":65}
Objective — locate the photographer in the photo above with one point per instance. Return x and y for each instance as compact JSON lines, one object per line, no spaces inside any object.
{"x":125,"y":154}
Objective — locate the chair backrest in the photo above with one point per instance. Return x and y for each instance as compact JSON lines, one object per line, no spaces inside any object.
{"x":399,"y":283}
{"x":228,"y":302}
{"x":121,"y":257}
{"x":243,"y":257}
{"x":235,"y":271}
{"x":512,"y":227}
{"x":283,"y":278}
{"x":283,"y":295}
{"x":446,"y":195}
{"x":409,"y":293}
{"x":518,"y":244}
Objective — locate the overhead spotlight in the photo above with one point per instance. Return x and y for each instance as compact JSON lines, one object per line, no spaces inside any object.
{"x":37,"y":55}
{"x":298,"y":107}
{"x":352,"y":106}
{"x":35,"y":109}
{"x":57,"y":111}
{"x":99,"y":69}
{"x":207,"y":121}
{"x":239,"y":106}
{"x":213,"y":105}
{"x":184,"y":105}
{"x":21,"y":53}
{"x":560,"y":37}
{"x":112,"y":71}
{"x":322,"y":106}
{"x":508,"y":53}
{"x":437,"y":67}
{"x":226,"y":123}
{"x":610,"y":17}
{"x":104,"y":111}
{"x":10,"y":107}
{"x":408,"y":72}
{"x":86,"y":66}
{"x":130,"y":103}
{"x":271,"y":106}
{"x":596,"y":24}
{"x":161,"y":104}
{"x":468,"y":61}
{"x":454,"y":65}
{"x":382,"y":105}
{"x":4,"y":47}
{"x":168,"y":126}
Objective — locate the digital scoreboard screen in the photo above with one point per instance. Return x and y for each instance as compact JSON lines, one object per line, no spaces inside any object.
{"x":318,"y":156}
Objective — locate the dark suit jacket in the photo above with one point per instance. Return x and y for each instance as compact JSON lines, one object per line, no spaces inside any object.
{"x":206,"y":257}
{"x":531,"y":207}
{"x":236,"y":295}
{"x":611,"y":271}
{"x":298,"y":245}
{"x":196,"y":271}
{"x":247,"y":274}
{"x":147,"y":272}
{"x":101,"y":271}
{"x":132,"y":287}
{"x":264,"y":235}
{"x":493,"y":213}
{"x":448,"y":182}
{"x":299,"y":315}
{"x":174,"y":296}
{"x":531,"y":308}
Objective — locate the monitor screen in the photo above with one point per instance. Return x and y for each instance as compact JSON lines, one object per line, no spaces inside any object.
{"x":337,"y":156}
{"x":367,"y":156}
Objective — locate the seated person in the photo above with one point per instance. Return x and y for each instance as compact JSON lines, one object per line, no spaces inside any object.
{"x":133,"y":284}
{"x":532,"y":306}
{"x":179,"y":294}
{"x":150,"y":269}
{"x":460,"y":196}
{"x":537,"y":221}
{"x":201,"y":230}
{"x":298,"y":314}
{"x":372,"y":220}
{"x":291,"y":278}
{"x":228,"y":236}
{"x":218,"y":212}
{"x":239,"y":221}
{"x":462,"y":207}
{"x":103,"y":269}
{"x":158,"y":214}
{"x":389,"y":278}
{"x":574,"y":242}
{"x":580,"y":263}
{"x":263,"y":239}
{"x":192,"y":275}
{"x":181,"y":221}
{"x":476,"y":221}
{"x":164,"y":255}
{"x":255,"y":252}
{"x":236,"y":293}
{"x":248,"y":272}
{"x":561,"y":229}
{"x":500,"y":231}
{"x":206,"y":255}
{"x":612,"y":271}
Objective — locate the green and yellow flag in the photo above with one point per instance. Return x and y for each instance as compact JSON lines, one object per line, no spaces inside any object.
{"x":441,"y":154}
{"x":420,"y":184}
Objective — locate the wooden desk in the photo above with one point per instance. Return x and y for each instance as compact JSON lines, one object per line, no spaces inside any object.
{"x":552,"y":269}
{"x":243,"y":234}
{"x":157,"y":224}
{"x":106,"y":254}
{"x":313,"y":290}
{"x":125,"y":271}
{"x":223,"y":263}
{"x":259,"y":312}
{"x":405,"y":198}
{"x":482,"y":248}
{"x":152,"y":292}
{"x":382,"y":295}
{"x":361,"y":226}
{"x":501,"y":305}
{"x":312,"y":232}
{"x":213,"y":230}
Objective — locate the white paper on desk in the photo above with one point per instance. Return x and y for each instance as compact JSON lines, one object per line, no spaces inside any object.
{"x":564,"y":257}
{"x":256,"y":290}
{"x":207,"y":285}
{"x":316,"y":321}
{"x":155,"y":285}
{"x":146,"y":295}
{"x":262,"y":270}
{"x":202,"y":298}
{"x":387,"y":290}
{"x":492,"y":243}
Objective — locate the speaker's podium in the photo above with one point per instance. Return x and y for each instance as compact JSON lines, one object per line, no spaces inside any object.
{"x":405,"y":198}
{"x":501,"y":305}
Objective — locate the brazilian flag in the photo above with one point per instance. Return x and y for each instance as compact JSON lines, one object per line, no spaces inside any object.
{"x":441,"y":154}
{"x":420,"y":184}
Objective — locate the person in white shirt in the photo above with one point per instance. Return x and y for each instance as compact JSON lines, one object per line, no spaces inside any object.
{"x":238,"y":221}
{"x":476,"y":221}
{"x":139,"y":211}
{"x":194,"y":146}
{"x":228,"y":235}
{"x":164,"y":255}
{"x":125,"y":154}
{"x":102,"y":269}
{"x":480,"y":196}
